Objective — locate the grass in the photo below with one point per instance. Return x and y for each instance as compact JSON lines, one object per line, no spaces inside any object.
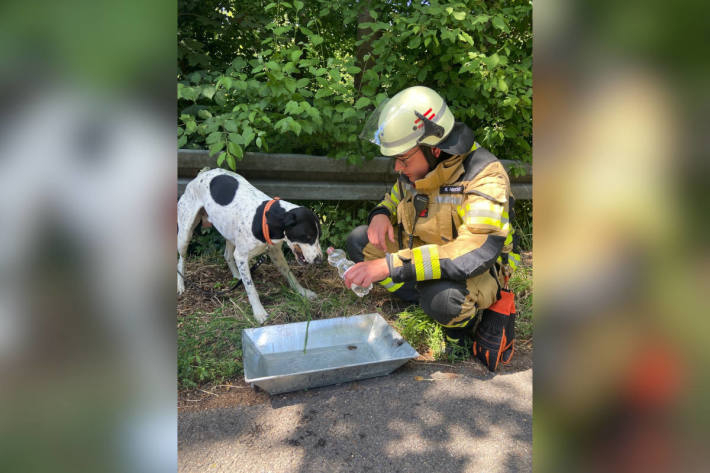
{"x":523,"y":224}
{"x":521,"y":284}
{"x":420,"y":331}
{"x":210,"y":346}
{"x":209,"y":326}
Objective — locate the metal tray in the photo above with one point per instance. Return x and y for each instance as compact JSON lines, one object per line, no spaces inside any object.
{"x":338,"y":350}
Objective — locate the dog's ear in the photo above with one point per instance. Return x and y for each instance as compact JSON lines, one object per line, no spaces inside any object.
{"x":290,"y":219}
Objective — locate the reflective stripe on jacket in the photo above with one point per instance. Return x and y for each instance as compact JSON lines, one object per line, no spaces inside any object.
{"x":467,"y":226}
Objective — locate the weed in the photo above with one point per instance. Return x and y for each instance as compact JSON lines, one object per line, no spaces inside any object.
{"x":425,"y":335}
{"x":206,"y":242}
{"x":521,"y":284}
{"x":339,"y":218}
{"x":210,"y":347}
{"x":459,"y":351}
{"x":523,"y":224}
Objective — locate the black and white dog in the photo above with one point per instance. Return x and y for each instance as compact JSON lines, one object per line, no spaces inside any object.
{"x":251,"y":223}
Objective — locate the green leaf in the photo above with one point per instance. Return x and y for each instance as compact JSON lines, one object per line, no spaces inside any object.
{"x":181,"y":141}
{"x":335,"y":75}
{"x":290,"y":67}
{"x":362,"y":102}
{"x":352,"y":69}
{"x":221,"y":157}
{"x":498,"y":22}
{"x":258,"y":142}
{"x":292,"y":108}
{"x":296,"y":55}
{"x":230,"y":125}
{"x":231,"y":162}
{"x":448,"y":35}
{"x":248,"y":135}
{"x":209,"y":91}
{"x":459,"y":15}
{"x":235,"y":150}
{"x":270,"y":6}
{"x":350,"y":112}
{"x":298,"y":4}
{"x":226,"y":82}
{"x":238,"y":64}
{"x":316,"y":39}
{"x":307,"y":128}
{"x":189,"y":93}
{"x":323,"y":93}
{"x":195,"y":77}
{"x":502,"y":85}
{"x":480,"y":19}
{"x":315,"y":115}
{"x":463,"y":36}
{"x":236,"y":138}
{"x":213,"y":137}
{"x":216,"y":148}
{"x":414,"y":42}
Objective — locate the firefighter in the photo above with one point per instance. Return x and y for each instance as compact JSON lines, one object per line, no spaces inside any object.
{"x":442,"y":236}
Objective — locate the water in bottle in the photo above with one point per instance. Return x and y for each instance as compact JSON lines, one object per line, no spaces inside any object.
{"x":338,"y":259}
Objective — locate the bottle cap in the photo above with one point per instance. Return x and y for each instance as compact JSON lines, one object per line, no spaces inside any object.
{"x":330,"y":250}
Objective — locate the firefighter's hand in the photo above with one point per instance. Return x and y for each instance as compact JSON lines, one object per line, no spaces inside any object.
{"x":365,"y":273}
{"x":380,"y":228}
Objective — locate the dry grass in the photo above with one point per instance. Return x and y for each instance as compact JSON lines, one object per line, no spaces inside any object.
{"x":210,"y":323}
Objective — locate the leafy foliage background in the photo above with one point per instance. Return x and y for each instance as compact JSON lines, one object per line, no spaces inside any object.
{"x":302,"y":76}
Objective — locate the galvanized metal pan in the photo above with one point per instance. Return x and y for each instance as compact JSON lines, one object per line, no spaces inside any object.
{"x":338,"y":350}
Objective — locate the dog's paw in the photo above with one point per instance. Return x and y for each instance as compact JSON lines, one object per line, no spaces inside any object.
{"x":180,"y":287}
{"x":309,"y":294}
{"x":261,"y":316}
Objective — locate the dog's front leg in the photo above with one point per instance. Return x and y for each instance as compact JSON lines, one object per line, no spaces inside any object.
{"x":277,"y":257}
{"x":243,"y":265}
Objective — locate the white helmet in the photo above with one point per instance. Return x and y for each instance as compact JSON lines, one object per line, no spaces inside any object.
{"x":414,"y":116}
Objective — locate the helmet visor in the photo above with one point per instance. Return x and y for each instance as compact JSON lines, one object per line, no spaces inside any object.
{"x":372,"y":131}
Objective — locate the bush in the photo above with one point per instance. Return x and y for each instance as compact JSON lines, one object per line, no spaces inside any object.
{"x":303,"y":76}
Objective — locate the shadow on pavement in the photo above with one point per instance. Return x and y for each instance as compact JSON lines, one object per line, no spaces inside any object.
{"x":425,"y":417}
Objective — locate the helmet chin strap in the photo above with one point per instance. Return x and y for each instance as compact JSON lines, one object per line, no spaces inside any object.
{"x":432,"y":160}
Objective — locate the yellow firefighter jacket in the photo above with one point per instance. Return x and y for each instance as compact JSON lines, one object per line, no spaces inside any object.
{"x":466,"y":228}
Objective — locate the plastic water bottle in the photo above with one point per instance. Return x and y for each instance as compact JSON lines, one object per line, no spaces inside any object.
{"x":338,"y":259}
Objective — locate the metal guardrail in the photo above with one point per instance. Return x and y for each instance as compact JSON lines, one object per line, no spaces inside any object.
{"x":304,"y":177}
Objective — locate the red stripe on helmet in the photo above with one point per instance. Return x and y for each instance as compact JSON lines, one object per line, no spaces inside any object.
{"x":425,"y":114}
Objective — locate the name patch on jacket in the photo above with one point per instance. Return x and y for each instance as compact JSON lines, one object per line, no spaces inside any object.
{"x":451,"y":190}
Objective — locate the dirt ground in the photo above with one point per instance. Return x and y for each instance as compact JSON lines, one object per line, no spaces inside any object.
{"x":238,"y":393}
{"x":202,"y":295}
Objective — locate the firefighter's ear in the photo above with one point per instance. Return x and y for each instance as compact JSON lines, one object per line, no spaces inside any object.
{"x":436,"y":152}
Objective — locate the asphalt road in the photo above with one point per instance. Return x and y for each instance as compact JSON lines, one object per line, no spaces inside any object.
{"x":423,"y":418}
